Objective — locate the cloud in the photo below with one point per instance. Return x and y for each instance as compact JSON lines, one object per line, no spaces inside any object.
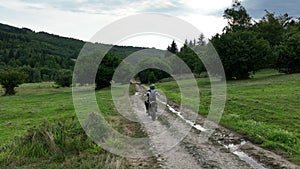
{"x":19,"y":5}
{"x":83,"y":18}
{"x":256,"y":7}
{"x":174,"y":7}
{"x":82,"y":6}
{"x":209,"y":25}
{"x":49,"y":19}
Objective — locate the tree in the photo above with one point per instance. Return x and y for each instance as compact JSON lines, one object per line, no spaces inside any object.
{"x":64,"y":78}
{"x":47,"y":74}
{"x":123,"y":73}
{"x":241,"y":52}
{"x":152,"y":78}
{"x":201,"y":40}
{"x":191,"y":59}
{"x":106,"y":70}
{"x":191,"y":44}
{"x":173,"y":48}
{"x":154,"y":66}
{"x":10,"y":79}
{"x":33,"y":74}
{"x":151,"y":75}
{"x":287,"y":54}
{"x":271,"y":28}
{"x":286,"y":20}
{"x":237,"y":17}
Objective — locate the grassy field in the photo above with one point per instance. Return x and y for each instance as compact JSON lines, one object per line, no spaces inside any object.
{"x":39,"y":129}
{"x":265,"y":109}
{"x":33,"y":104}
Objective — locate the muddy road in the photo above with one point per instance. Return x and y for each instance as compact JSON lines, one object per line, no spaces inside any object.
{"x":176,"y":148}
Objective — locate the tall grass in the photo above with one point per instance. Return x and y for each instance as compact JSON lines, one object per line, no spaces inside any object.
{"x":56,"y":143}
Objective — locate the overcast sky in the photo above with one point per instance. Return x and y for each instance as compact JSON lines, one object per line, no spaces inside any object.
{"x":81,"y":19}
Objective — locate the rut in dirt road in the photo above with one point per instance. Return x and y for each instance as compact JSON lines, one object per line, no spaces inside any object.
{"x":176,"y":149}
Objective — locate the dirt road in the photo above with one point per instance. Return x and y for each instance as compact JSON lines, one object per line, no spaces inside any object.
{"x":176,"y":148}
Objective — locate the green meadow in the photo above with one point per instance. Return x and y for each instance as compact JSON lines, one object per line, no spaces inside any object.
{"x":39,"y":129}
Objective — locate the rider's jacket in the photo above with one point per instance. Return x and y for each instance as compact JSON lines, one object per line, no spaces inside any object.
{"x":151,"y":94}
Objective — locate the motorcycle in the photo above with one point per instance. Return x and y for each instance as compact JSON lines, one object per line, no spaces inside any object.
{"x":152,"y":109}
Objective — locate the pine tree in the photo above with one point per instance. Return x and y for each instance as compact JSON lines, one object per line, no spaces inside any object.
{"x":201,"y":40}
{"x":173,"y":48}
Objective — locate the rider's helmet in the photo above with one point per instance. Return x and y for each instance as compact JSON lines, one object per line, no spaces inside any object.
{"x":152,"y":86}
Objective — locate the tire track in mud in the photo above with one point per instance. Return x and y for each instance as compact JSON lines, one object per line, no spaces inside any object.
{"x":175,"y":151}
{"x":162,"y":141}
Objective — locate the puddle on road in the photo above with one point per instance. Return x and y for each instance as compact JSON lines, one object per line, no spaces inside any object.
{"x":243,"y":156}
{"x":233,"y":148}
{"x":196,"y":126}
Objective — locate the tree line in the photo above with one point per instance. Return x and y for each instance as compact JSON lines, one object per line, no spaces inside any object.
{"x":246,"y":45}
{"x":40,"y":56}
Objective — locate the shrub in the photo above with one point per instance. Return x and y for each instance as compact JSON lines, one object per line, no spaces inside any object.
{"x":10,"y":79}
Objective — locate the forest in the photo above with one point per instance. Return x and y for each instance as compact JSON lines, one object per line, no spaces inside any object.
{"x":43,"y":56}
{"x":247,"y":45}
{"x":244,"y":47}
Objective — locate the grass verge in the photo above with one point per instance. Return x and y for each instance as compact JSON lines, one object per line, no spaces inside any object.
{"x":264,"y":109}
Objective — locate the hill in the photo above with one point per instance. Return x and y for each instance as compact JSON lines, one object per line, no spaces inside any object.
{"x":41,"y":54}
